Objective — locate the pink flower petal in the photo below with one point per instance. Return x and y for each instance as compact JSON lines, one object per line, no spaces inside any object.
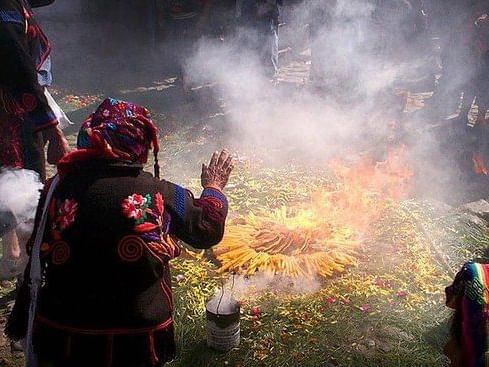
{"x":364,"y":308}
{"x":401,"y":294}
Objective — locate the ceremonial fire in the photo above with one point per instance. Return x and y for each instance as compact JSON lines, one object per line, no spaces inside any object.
{"x":322,"y":236}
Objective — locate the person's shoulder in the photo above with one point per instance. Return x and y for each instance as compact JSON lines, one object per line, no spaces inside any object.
{"x":9,"y":7}
{"x":11,"y":13}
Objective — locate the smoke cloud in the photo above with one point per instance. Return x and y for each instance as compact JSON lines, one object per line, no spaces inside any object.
{"x":19,"y":194}
{"x":365,"y":58}
{"x":349,"y":60}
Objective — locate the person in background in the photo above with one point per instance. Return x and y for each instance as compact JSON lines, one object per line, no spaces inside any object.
{"x":125,"y":223}
{"x":480,"y":129}
{"x":460,"y":58}
{"x":257,"y":28}
{"x":184,"y":22}
{"x":222,"y":19}
{"x":27,"y":122}
{"x":321,"y":21}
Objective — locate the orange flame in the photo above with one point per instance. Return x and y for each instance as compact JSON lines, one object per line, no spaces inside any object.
{"x":322,"y":236}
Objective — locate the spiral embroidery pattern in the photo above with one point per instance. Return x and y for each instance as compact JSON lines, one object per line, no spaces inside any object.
{"x":130,"y":248}
{"x":60,"y":253}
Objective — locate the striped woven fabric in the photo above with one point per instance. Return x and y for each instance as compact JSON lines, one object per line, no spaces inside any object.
{"x":469,"y":296}
{"x":9,"y":16}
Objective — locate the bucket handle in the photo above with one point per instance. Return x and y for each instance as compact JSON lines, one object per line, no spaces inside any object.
{"x":222,"y":293}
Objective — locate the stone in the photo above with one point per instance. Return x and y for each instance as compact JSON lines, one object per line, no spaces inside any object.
{"x":370,"y":343}
{"x":479,"y":208}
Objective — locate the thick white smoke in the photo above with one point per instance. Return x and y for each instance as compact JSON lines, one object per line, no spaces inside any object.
{"x":20,"y":192}
{"x":353,"y":112}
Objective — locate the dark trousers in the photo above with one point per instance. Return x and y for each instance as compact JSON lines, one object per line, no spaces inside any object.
{"x":261,"y":38}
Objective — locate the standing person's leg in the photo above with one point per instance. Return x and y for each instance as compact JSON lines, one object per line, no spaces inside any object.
{"x":33,"y":159}
{"x":446,"y":95}
{"x":11,"y":155}
{"x":263,"y":40}
{"x":481,"y":127}
{"x":274,"y":46}
{"x":33,"y":149}
{"x":10,"y":242}
{"x":467,"y":101}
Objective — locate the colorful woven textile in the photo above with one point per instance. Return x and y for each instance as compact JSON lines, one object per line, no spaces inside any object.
{"x":469,"y":296}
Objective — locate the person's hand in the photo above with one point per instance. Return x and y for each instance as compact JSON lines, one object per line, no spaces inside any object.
{"x":216,"y":174}
{"x":57,"y":145}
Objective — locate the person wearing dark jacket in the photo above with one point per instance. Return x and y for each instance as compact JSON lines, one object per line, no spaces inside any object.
{"x":27,"y":122}
{"x":110,"y":231}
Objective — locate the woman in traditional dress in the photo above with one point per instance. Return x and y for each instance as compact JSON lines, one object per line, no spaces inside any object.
{"x":27,"y":122}
{"x":110,"y":231}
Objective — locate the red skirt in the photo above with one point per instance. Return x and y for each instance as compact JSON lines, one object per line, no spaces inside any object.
{"x":11,"y":152}
{"x":20,"y":147}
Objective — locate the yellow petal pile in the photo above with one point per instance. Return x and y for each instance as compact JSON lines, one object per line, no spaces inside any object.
{"x":321,"y":235}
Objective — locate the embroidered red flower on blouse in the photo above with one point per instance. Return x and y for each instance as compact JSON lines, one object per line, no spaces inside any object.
{"x":150,"y":223}
{"x":133,"y":207}
{"x":146,"y":211}
{"x":29,"y":102}
{"x":67,"y":213}
{"x":63,"y":214}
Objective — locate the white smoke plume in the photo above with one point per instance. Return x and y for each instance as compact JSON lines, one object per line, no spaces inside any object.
{"x":19,"y":193}
{"x":360,"y":78}
{"x":241,"y":287}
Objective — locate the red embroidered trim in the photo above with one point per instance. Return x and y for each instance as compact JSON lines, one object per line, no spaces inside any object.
{"x":48,"y":124}
{"x":122,"y":331}
{"x":155,"y":256}
{"x":110,"y":350}
{"x":154,"y":357}
{"x":61,"y":253}
{"x":29,"y":102}
{"x":216,"y":202}
{"x":131,"y":248}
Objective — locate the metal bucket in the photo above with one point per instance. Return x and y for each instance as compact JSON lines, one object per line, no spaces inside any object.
{"x":223,"y":328}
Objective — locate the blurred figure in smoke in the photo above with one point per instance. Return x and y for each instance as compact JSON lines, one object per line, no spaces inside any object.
{"x":222,"y":18}
{"x":110,"y":231}
{"x":340,"y":40}
{"x":258,"y":22}
{"x":321,"y":16}
{"x":27,"y":122}
{"x":399,"y":23}
{"x":460,"y":58}
{"x":481,"y":125}
{"x":185,"y":21}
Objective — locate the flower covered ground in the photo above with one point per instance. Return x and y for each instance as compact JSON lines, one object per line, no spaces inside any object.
{"x":386,"y":310}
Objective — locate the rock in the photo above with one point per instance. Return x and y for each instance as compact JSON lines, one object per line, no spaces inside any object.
{"x":395,"y":333}
{"x":406,"y":336}
{"x":361,"y":348}
{"x":478,"y":208}
{"x":370,"y":343}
